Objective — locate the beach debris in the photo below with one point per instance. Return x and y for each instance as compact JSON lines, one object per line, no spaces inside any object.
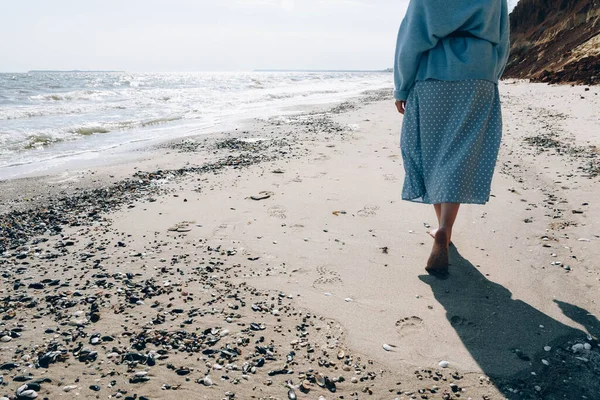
{"x":338,"y":213}
{"x":262,"y":196}
{"x":27,"y":392}
{"x":184,"y":226}
{"x":278,"y":171}
{"x":291,"y":394}
{"x":384,"y":250}
{"x":389,"y":347}
{"x":444,"y":364}
{"x":320,"y":380}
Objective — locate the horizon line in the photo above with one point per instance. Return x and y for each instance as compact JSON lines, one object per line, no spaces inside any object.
{"x":194,"y":71}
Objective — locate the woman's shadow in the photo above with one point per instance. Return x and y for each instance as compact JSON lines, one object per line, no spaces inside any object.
{"x":509,"y":339}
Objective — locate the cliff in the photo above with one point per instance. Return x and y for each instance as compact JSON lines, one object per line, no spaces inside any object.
{"x":555,"y":41}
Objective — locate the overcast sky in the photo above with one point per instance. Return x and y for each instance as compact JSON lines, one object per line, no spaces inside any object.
{"x":198,"y":35}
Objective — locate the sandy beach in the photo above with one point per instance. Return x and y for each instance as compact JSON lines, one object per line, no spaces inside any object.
{"x":277,"y":260}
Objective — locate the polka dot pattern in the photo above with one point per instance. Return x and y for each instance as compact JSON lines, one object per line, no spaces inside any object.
{"x":450,"y":140}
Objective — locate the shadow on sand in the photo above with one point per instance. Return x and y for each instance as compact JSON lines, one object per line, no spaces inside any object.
{"x":508,"y":337}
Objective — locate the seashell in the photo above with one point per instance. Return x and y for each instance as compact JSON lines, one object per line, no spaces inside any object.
{"x":292,"y":394}
{"x":341,"y":354}
{"x":207,"y":381}
{"x":444,"y":364}
{"x":305,"y":386}
{"x":320,"y":379}
{"x":28,"y":394}
{"x":257,"y":327}
{"x":578,"y":348}
{"x":141,"y":373}
{"x":21,"y":389}
{"x":69,"y":388}
{"x":388,"y":347}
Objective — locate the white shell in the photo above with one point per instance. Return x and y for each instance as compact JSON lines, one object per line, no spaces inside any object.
{"x":388,"y":347}
{"x":31,"y":394}
{"x":320,"y":380}
{"x":69,"y":388}
{"x":207,"y":381}
{"x":578,"y":348}
{"x":444,"y":364}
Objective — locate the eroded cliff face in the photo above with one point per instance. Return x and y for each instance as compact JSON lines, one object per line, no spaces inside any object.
{"x":555,"y":41}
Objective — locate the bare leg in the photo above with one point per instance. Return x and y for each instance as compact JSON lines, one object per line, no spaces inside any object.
{"x":438,"y":260}
{"x":438,"y":213}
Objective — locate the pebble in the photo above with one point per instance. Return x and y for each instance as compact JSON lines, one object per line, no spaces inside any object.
{"x":69,"y":388}
{"x":444,"y":364}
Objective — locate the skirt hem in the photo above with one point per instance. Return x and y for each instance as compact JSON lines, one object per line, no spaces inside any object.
{"x":420,"y":200}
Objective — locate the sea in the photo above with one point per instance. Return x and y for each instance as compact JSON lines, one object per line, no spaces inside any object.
{"x":58,"y":120}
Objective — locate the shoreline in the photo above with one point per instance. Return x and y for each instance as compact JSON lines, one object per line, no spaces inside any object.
{"x":170,"y":258}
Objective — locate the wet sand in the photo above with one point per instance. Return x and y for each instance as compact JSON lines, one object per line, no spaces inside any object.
{"x":280,"y":255}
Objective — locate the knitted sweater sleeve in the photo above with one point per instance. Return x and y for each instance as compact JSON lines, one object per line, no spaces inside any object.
{"x":417,"y":35}
{"x":504,"y":45}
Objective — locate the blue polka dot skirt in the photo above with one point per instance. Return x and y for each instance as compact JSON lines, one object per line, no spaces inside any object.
{"x":450,"y":140}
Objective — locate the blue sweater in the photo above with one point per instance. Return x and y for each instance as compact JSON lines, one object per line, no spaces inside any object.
{"x":451,"y":40}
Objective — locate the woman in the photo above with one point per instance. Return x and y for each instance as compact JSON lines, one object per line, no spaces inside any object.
{"x":449,"y":58}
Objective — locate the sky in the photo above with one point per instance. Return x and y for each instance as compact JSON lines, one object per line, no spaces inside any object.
{"x":198,"y":35}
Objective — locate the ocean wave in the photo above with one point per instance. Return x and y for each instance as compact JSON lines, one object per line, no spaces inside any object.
{"x":73,"y":96}
{"x":40,"y":110}
{"x":90,"y":130}
{"x":158,"y":121}
{"x":39,"y":141}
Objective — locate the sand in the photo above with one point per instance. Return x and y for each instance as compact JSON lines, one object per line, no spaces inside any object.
{"x":331,"y":259}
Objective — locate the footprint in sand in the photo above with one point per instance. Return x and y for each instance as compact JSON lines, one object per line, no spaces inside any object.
{"x":322,"y":157}
{"x":277,"y":212}
{"x":327,"y":278}
{"x":368,"y":211}
{"x":408,"y":325}
{"x":460,"y":321}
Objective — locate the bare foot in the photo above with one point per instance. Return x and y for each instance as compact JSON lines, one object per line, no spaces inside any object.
{"x":434,"y":231}
{"x":438,"y":260}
